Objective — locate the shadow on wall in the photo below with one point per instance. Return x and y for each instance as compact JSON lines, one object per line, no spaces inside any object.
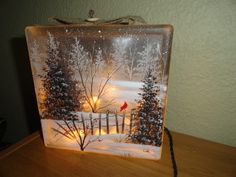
{"x":22,"y":66}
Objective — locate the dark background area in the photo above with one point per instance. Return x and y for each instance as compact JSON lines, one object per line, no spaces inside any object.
{"x":28,"y":105}
{"x":26,"y":87}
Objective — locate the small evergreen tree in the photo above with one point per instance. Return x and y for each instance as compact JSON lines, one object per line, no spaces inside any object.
{"x":148,"y":120}
{"x":61,"y":94}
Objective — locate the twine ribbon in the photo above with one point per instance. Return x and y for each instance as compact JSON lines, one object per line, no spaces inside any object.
{"x":126,"y":20}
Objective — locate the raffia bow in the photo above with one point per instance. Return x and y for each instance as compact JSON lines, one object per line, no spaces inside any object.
{"x":127,"y":20}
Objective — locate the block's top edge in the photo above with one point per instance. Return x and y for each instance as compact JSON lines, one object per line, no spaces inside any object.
{"x":167,"y":27}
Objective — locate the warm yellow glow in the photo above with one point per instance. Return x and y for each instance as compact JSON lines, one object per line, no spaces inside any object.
{"x":102,"y":132}
{"x":113,"y":130}
{"x":86,"y":107}
{"x":81,"y":133}
{"x":41,"y":96}
{"x":72,"y":138}
{"x":127,"y":121}
{"x":113,"y":88}
{"x":95,"y":99}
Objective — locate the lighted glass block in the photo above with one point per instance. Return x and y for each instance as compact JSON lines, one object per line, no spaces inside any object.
{"x":102,"y":88}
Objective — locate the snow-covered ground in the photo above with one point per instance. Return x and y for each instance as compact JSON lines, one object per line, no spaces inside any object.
{"x":121,"y":91}
{"x":128,"y":90}
{"x":110,"y":144}
{"x":114,"y":144}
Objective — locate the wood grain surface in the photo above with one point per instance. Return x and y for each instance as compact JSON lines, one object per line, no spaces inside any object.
{"x":195,"y":158}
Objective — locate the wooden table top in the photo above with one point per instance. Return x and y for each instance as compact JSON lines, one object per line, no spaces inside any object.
{"x":195,"y":158}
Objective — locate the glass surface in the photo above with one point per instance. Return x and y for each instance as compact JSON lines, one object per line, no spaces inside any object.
{"x":102,"y":88}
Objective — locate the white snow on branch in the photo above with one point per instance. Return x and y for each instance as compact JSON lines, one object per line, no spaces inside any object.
{"x":78,"y":54}
{"x":53,"y":44}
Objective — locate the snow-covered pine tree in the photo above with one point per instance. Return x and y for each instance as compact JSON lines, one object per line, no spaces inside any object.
{"x":62,"y":97}
{"x":148,"y":121}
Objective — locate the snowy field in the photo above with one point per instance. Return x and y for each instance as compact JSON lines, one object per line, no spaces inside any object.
{"x":128,"y":90}
{"x":114,"y":144}
{"x":124,"y":91}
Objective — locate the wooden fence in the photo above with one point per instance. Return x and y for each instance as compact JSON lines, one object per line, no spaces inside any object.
{"x":103,"y":122}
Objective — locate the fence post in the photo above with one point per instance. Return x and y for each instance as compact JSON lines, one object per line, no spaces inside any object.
{"x":107,"y":121}
{"x":83,"y":123}
{"x":131,"y":120}
{"x":117,"y":123}
{"x":123,"y":122}
{"x":100,"y":123}
{"x":91,"y":122}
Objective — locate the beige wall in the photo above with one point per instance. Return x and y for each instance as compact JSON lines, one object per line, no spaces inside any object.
{"x":202,"y":85}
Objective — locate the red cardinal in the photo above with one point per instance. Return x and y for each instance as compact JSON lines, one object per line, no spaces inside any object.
{"x":124,"y":106}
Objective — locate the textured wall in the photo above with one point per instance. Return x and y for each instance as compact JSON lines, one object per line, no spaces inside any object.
{"x":202,"y":85}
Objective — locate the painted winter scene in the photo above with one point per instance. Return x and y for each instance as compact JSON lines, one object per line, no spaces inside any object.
{"x":102,"y":88}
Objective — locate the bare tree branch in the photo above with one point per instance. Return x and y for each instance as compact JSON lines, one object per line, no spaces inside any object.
{"x":62,"y":133}
{"x":108,"y":104}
